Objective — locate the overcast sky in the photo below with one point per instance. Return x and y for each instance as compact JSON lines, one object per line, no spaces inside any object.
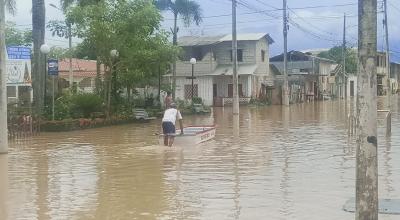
{"x":312,"y":26}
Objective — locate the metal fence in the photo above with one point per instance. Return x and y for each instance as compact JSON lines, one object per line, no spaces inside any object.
{"x":21,"y":123}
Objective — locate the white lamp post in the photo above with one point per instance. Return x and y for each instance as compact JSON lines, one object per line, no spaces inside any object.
{"x":193,"y":61}
{"x":114,"y":53}
{"x":45,"y":49}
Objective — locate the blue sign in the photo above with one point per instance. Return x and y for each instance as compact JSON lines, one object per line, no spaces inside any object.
{"x":52,"y":67}
{"x":19,"y":53}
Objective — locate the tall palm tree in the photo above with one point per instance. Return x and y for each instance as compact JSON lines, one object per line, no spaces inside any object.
{"x":189,"y":11}
{"x":39,"y":62}
{"x":10,"y":5}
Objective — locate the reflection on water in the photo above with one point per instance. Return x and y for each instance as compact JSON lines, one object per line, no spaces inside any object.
{"x":271,"y":163}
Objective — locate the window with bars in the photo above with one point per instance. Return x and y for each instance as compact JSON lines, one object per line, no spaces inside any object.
{"x":239,"y":55}
{"x":188,"y":91}
{"x":11,"y":91}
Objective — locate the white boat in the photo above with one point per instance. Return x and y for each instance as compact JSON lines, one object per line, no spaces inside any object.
{"x":191,"y":135}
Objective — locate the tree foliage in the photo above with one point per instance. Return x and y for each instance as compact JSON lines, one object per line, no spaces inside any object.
{"x":17,"y":37}
{"x":189,"y":10}
{"x":335,"y":54}
{"x":131,"y":27}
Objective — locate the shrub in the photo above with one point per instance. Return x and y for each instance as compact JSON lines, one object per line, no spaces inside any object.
{"x":85,"y":104}
{"x":197,"y":100}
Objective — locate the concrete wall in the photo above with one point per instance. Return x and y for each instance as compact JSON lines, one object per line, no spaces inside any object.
{"x":263,"y":67}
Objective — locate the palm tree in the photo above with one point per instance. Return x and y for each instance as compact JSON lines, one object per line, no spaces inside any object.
{"x":38,"y":70}
{"x":189,"y":11}
{"x":10,"y":5}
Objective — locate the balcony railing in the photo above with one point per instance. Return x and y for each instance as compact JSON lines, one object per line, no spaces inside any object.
{"x":242,"y":101}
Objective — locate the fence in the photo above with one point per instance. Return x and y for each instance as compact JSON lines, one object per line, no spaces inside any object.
{"x":23,"y":126}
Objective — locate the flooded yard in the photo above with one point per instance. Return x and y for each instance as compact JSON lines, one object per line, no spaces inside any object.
{"x":282,"y":163}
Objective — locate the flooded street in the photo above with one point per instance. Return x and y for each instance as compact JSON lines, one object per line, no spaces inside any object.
{"x":296,"y":163}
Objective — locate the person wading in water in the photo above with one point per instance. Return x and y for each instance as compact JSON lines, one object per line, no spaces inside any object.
{"x":168,"y":100}
{"x":168,"y":124}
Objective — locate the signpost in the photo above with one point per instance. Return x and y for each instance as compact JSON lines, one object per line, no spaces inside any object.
{"x":52,"y":70}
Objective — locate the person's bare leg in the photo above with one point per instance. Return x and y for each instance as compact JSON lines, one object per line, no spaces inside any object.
{"x":171,"y":141}
{"x":165,"y":140}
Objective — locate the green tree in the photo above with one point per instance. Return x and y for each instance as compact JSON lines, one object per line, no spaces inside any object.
{"x":130,"y":27}
{"x":335,"y":54}
{"x":189,"y":11}
{"x":59,"y":53}
{"x":16,"y":37}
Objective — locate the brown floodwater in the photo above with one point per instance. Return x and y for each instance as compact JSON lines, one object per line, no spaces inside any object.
{"x":272,"y":163}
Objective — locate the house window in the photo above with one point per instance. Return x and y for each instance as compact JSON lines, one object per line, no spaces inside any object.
{"x":239,"y":55}
{"x":11,"y":91}
{"x":188,"y":91}
{"x":263,"y":55}
{"x":197,"y":53}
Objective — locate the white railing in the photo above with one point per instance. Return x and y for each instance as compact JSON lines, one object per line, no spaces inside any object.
{"x":242,"y":100}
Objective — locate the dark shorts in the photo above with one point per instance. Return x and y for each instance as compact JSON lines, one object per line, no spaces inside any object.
{"x":168,"y":128}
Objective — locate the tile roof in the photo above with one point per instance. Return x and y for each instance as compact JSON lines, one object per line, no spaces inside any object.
{"x":81,"y":68}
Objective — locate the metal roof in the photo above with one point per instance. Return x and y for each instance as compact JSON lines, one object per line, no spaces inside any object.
{"x":198,"y":41}
{"x":209,"y":40}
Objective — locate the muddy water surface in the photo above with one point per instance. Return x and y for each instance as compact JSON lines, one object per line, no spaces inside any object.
{"x":281,"y":163}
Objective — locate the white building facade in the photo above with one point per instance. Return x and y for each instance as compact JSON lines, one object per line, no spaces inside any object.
{"x":213,"y":70}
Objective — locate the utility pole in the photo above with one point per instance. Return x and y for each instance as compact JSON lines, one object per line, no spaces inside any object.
{"x":343,"y":78}
{"x":71,"y":73}
{"x":3,"y":78}
{"x":367,"y":142}
{"x":235,"y":80}
{"x":387,"y":51}
{"x":285,"y":92}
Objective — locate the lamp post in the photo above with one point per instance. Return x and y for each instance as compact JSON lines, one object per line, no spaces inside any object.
{"x":114,"y":54}
{"x":45,"y":49}
{"x":193,"y":61}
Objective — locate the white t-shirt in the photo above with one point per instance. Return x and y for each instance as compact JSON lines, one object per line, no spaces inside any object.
{"x":171,"y":114}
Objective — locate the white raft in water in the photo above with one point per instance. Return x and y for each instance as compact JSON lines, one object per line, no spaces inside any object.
{"x":191,"y":135}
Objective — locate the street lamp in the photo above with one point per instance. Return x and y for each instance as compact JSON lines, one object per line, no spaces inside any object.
{"x":193,"y":61}
{"x":45,"y":49}
{"x":114,"y":54}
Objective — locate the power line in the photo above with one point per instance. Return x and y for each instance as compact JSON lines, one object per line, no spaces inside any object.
{"x":394,"y":6}
{"x":312,"y":25}
{"x":273,"y":10}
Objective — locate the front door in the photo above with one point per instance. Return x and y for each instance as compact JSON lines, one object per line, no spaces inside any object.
{"x":230,"y":90}
{"x":351,"y":88}
{"x":215,"y":92}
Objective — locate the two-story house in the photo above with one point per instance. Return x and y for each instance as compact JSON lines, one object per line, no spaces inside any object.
{"x":308,"y":76}
{"x":213,"y":70}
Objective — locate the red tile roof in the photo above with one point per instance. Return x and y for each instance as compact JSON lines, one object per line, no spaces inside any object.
{"x":81,"y":68}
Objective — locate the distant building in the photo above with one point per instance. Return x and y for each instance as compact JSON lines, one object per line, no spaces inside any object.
{"x":213,"y":70}
{"x":84,"y":74}
{"x":19,"y":77}
{"x":309,"y":77}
